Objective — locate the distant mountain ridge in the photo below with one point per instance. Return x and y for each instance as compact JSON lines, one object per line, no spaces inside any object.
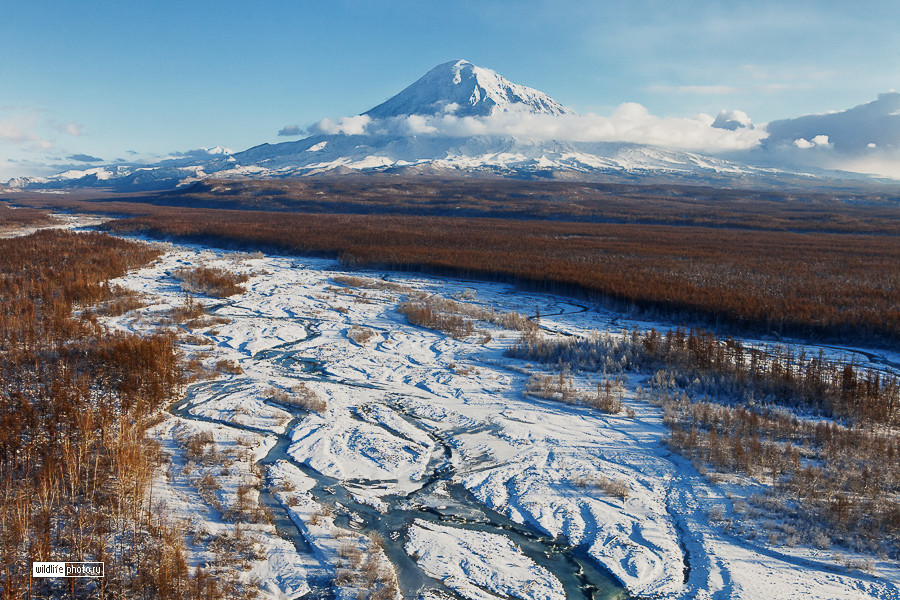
{"x":404,"y":135}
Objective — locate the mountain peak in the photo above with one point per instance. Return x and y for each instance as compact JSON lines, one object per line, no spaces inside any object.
{"x":461,"y":88}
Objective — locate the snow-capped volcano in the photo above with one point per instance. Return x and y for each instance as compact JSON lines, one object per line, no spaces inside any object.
{"x":460,"y":88}
{"x":467,"y":120}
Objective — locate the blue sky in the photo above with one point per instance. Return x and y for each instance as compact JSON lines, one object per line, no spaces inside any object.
{"x":126,"y":80}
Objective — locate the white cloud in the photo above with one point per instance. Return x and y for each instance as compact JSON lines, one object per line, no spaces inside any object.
{"x":819,"y":141}
{"x":630,"y":122}
{"x":885,"y":164}
{"x":291,"y":130}
{"x":19,"y":129}
{"x":848,"y":132}
{"x":346,"y":126}
{"x":193,"y":155}
{"x":83,"y":158}
{"x":73,"y":129}
{"x":865,"y":139}
{"x":418,"y":124}
{"x":732,"y":119}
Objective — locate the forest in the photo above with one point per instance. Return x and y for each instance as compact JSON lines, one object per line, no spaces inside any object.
{"x":12,"y":218}
{"x":814,"y":265}
{"x":75,"y":402}
{"x":834,"y":286}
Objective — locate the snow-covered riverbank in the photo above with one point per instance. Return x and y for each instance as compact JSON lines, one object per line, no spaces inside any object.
{"x":477,"y":490}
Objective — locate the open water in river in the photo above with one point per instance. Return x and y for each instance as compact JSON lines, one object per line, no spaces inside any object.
{"x":439,"y":500}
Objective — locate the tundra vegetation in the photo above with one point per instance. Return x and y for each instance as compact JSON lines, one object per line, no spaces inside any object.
{"x":300,"y":396}
{"x":211,"y":281}
{"x":366,"y":569}
{"x":457,"y":319}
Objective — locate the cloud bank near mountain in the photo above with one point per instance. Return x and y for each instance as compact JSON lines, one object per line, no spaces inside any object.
{"x":460,"y":100}
{"x":465,"y":118}
{"x":864,"y":139}
{"x":630,"y":122}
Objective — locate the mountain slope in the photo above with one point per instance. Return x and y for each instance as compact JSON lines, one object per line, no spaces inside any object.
{"x":460,"y":88}
{"x":501,"y":154}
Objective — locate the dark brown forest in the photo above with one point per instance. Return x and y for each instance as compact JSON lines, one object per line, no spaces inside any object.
{"x":817,"y":265}
{"x":833,"y":285}
{"x":11,"y":218}
{"x":75,"y":401}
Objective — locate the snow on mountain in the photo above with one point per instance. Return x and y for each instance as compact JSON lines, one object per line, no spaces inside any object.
{"x":499,"y":154}
{"x":440,"y":125}
{"x":460,"y":88}
{"x":181,"y":167}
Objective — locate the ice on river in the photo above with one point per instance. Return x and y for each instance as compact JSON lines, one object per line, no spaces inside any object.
{"x":408,"y":406}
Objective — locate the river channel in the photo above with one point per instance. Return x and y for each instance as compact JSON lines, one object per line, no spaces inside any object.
{"x":440,"y":499}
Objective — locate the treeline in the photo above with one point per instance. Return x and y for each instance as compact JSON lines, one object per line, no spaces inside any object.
{"x":11,"y":218}
{"x":808,"y":211}
{"x":707,"y":365}
{"x":836,"y":286}
{"x":740,"y":409}
{"x":75,"y":401}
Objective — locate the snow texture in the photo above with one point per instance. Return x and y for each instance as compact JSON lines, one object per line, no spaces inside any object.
{"x":412,"y":406}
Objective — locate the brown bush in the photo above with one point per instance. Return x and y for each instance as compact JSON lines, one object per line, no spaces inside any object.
{"x":211,"y":281}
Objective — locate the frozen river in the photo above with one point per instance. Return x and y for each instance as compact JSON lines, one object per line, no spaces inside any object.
{"x":428,"y":444}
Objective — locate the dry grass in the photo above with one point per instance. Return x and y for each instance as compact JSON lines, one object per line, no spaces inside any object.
{"x":360,"y":335}
{"x":211,"y":281}
{"x":228,"y":366}
{"x":611,"y":487}
{"x":123,"y":301}
{"x":458,"y":319}
{"x":300,"y":396}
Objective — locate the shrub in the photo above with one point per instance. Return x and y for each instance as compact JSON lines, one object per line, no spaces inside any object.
{"x":301,"y":396}
{"x":211,"y":281}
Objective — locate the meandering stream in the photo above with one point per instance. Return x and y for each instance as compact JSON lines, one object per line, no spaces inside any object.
{"x":439,"y":499}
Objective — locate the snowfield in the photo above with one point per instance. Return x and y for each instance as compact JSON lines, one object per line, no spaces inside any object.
{"x":430,"y":456}
{"x":476,"y":563}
